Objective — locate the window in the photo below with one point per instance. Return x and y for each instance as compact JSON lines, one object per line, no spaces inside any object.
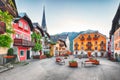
{"x":96,"y":42}
{"x":26,"y":27}
{"x":95,"y":48}
{"x":18,"y":36}
{"x":82,"y":43}
{"x":20,"y":24}
{"x":21,"y":53}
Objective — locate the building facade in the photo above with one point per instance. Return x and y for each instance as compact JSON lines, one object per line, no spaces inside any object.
{"x":115,"y":33}
{"x":60,"y":48}
{"x":90,"y":42}
{"x":10,"y":7}
{"x":22,"y":38}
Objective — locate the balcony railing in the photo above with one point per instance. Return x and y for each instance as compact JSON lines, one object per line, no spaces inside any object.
{"x":22,"y":42}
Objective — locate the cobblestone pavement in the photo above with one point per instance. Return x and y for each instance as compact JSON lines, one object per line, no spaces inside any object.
{"x":47,"y":69}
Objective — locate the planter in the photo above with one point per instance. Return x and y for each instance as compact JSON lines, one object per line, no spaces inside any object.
{"x":73,"y":64}
{"x":3,"y":50}
{"x":8,"y":57}
{"x":94,"y":61}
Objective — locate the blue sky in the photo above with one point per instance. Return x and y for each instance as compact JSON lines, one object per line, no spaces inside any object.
{"x":71,"y":15}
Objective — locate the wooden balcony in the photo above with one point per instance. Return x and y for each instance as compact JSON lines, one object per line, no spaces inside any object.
{"x":5,"y":6}
{"x":22,"y":42}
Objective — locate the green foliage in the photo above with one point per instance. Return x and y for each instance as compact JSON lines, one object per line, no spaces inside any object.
{"x":7,"y":19}
{"x":72,"y":61}
{"x":38,"y":45}
{"x":5,"y":40}
{"x":10,"y":52}
{"x":48,"y":55}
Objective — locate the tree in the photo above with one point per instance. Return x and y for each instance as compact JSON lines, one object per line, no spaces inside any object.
{"x":37,"y":37}
{"x":7,"y":18}
{"x":5,"y":39}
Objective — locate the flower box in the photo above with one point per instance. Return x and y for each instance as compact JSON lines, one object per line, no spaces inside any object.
{"x":73,"y":64}
{"x":8,"y":57}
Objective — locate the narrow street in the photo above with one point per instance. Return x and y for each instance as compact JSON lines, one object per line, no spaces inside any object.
{"x":47,"y":69}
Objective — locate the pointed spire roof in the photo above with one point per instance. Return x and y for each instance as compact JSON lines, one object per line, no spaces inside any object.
{"x":44,"y":20}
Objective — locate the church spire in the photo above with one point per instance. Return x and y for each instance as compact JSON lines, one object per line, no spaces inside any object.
{"x":44,"y":27}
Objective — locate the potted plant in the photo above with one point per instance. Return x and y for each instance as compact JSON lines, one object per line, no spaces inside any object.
{"x":10,"y":55}
{"x":73,"y":63}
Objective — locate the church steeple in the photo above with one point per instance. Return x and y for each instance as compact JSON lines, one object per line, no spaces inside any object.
{"x":44,"y":27}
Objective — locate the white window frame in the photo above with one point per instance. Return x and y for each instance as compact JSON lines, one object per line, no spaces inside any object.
{"x":20,"y":24}
{"x":26,"y":27}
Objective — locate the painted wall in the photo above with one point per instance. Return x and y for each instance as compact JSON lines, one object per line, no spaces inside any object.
{"x":95,"y":43}
{"x":22,"y":31}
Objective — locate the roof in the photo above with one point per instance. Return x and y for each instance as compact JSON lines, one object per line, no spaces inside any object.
{"x":115,"y":21}
{"x":63,"y":42}
{"x":47,"y":34}
{"x":89,"y":32}
{"x":36,"y":25}
{"x":24,"y":16}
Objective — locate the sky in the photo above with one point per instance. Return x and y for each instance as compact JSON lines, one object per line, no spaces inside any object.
{"x":71,"y":15}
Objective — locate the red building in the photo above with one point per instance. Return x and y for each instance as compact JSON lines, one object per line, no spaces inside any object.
{"x":22,"y":37}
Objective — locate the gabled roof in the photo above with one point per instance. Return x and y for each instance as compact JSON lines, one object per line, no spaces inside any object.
{"x":63,"y":42}
{"x":36,"y":25}
{"x":24,"y":16}
{"x":115,"y":21}
{"x":47,"y":34}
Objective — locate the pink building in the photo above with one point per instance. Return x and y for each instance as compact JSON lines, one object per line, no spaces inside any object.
{"x":22,"y":37}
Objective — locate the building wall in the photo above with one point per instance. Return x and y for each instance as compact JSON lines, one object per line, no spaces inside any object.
{"x":117,"y":41}
{"x":68,"y":43}
{"x":95,"y":43}
{"x":58,"y":49}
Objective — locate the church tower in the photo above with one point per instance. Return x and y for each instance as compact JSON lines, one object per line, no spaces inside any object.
{"x":44,"y":27}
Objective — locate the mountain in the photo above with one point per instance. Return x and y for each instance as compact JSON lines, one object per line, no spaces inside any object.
{"x":71,"y":36}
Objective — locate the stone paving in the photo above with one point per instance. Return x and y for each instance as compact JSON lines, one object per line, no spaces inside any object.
{"x":48,"y":69}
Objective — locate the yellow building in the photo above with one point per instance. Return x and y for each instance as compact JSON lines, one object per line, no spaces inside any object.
{"x":90,"y":42}
{"x":60,"y":48}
